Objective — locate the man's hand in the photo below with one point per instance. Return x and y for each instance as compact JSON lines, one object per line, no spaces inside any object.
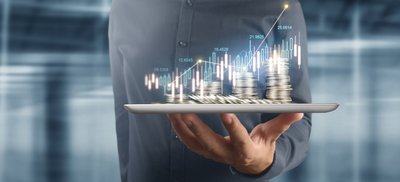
{"x":248,"y":153}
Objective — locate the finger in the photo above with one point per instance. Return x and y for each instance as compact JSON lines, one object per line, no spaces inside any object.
{"x":184,"y":133}
{"x":213,"y":144}
{"x":237,"y":132}
{"x":280,"y":124}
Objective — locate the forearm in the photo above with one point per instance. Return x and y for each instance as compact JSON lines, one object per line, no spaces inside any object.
{"x":291,"y":148}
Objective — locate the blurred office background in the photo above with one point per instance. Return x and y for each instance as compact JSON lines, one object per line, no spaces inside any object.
{"x":56,"y":117}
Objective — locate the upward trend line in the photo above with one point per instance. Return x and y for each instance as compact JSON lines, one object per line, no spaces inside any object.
{"x":198,"y":62}
{"x":255,"y":52}
{"x":269,"y":32}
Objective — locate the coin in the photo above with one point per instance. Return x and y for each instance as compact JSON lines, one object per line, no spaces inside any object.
{"x":278,"y":81}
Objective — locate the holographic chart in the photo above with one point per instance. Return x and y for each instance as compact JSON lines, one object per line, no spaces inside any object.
{"x":204,"y":82}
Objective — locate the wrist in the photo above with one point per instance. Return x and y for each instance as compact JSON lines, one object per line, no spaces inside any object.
{"x":257,"y":165}
{"x":254,"y":169}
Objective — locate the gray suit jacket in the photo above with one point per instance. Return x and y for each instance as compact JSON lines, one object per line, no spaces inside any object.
{"x":158,"y":35}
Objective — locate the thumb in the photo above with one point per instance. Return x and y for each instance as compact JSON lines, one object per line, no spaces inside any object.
{"x":280,"y":124}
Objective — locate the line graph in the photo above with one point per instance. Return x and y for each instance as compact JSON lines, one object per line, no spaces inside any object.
{"x":255,"y":52}
{"x":207,"y":76}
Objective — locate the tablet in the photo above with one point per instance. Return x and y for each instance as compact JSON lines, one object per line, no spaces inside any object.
{"x":231,"y":108}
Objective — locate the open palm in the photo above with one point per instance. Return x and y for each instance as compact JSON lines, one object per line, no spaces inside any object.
{"x":248,"y":153}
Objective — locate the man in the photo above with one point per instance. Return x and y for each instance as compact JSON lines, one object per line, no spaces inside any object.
{"x":145,"y":34}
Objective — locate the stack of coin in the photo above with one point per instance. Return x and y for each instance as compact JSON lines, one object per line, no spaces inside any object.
{"x":170,"y":99}
{"x":246,"y":86}
{"x":176,"y":99}
{"x":213,"y":88}
{"x":278,"y":81}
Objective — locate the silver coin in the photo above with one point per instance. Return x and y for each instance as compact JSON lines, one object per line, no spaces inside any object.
{"x":278,"y":88}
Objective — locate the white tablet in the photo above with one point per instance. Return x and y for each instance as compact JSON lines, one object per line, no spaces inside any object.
{"x":231,"y":108}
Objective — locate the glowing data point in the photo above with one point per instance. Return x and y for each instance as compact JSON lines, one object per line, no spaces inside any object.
{"x":286,"y":6}
{"x":199,"y":61}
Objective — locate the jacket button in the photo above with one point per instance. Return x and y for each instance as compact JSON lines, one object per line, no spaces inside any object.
{"x":182,"y":44}
{"x":189,"y":3}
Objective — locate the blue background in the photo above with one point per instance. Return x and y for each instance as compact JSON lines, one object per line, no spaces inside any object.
{"x":57,"y":119}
